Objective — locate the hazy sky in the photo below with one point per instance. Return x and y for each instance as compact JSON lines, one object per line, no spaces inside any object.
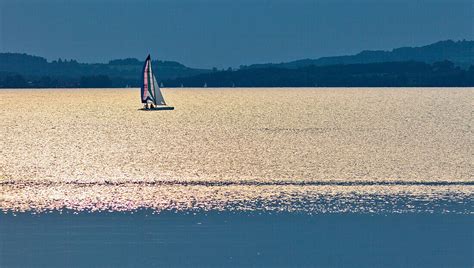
{"x":206,"y":33}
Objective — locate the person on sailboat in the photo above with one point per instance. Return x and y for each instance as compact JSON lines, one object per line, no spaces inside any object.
{"x":148,"y":105}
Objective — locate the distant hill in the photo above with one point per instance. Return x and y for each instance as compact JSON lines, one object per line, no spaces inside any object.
{"x":386,"y":74}
{"x":461,"y":53}
{"x":445,"y":63}
{"x":33,"y":66}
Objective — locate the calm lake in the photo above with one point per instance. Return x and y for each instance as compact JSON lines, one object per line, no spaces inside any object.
{"x":236,"y":177}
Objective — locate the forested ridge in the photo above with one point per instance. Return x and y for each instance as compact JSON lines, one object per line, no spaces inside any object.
{"x":444,"y":63}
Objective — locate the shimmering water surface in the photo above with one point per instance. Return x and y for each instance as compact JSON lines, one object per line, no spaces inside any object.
{"x":307,"y":150}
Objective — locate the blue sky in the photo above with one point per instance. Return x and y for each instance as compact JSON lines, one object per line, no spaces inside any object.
{"x":222,"y":33}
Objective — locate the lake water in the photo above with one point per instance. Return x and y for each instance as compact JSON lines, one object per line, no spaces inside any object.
{"x":312,"y":150}
{"x":391,"y":169}
{"x":236,"y":240}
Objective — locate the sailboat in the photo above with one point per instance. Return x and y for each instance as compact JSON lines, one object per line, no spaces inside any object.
{"x":151,"y":96}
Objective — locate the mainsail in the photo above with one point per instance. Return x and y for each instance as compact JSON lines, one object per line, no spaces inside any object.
{"x":150,"y":90}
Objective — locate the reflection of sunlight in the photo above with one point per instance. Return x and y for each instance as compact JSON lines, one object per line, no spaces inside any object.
{"x":310,"y":199}
{"x":280,"y":150}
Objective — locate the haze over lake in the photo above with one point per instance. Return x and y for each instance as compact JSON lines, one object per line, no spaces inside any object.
{"x":310,"y":150}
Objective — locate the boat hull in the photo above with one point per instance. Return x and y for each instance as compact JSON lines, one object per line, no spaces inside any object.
{"x":160,"y":108}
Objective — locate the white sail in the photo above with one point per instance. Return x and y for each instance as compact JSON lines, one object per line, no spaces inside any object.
{"x":158,"y":96}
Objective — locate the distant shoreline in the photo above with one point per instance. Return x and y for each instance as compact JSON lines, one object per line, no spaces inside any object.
{"x":442,"y":64}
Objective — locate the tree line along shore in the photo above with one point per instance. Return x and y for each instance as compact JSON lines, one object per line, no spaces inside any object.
{"x":444,"y":63}
{"x":387,"y":74}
